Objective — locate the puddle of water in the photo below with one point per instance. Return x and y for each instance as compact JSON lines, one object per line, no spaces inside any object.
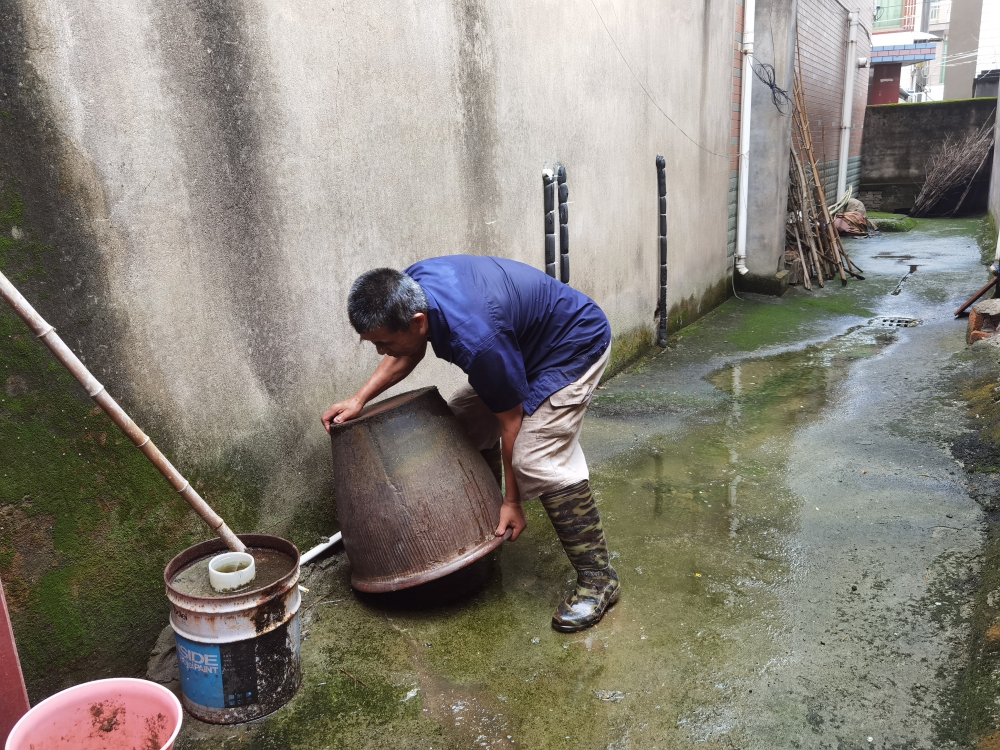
{"x":698,"y":525}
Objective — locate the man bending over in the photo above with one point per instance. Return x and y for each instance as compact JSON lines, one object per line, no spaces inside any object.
{"x":534,"y":350}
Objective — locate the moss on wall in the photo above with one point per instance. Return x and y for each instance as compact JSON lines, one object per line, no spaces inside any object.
{"x":631,"y":346}
{"x":627,"y":348}
{"x":86,"y":523}
{"x":688,"y":310}
{"x":986,"y":237}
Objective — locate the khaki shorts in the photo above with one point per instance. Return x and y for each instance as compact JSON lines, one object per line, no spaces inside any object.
{"x":547,"y":452}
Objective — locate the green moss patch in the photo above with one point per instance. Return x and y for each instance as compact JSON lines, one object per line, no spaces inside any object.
{"x":891,"y":222}
{"x":762,"y":324}
{"x":686,"y":311}
{"x":983,"y":395}
{"x":626,"y":349}
{"x":86,"y":523}
{"x":974,"y":713}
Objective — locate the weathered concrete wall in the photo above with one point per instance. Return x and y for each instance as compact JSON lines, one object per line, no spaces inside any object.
{"x":901,"y":140}
{"x":822,"y":28}
{"x":770,"y":138}
{"x":994,"y":199}
{"x":193,"y":186}
{"x":963,"y":41}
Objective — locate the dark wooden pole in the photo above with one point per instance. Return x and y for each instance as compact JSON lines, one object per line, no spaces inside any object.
{"x":661,"y":190}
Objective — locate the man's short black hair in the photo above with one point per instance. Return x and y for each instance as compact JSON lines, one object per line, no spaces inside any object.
{"x":384,"y":297}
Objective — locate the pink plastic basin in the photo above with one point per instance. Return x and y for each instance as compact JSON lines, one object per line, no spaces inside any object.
{"x":116,"y":714}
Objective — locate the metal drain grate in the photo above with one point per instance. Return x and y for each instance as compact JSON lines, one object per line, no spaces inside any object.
{"x":893,"y":321}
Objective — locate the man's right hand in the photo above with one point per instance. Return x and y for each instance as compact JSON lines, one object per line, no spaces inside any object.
{"x":342,"y":411}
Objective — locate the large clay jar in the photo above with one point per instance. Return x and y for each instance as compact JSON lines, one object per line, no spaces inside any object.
{"x":415,"y":499}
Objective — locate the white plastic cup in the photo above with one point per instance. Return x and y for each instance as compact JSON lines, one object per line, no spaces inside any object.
{"x":231,"y":570}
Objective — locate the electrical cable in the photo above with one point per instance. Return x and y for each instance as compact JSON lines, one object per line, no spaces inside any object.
{"x":646,"y":91}
{"x":766,"y":75}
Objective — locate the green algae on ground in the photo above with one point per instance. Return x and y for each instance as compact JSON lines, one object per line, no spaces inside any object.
{"x":986,"y":237}
{"x":624,"y":403}
{"x":696,"y":521}
{"x":347,"y":698}
{"x":983,"y":396}
{"x":972,"y":713}
{"x":775,"y":321}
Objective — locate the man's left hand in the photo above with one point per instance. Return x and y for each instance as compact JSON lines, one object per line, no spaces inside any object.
{"x":511,"y":517}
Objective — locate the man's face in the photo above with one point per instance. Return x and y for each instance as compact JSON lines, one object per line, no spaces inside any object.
{"x":400,"y":343}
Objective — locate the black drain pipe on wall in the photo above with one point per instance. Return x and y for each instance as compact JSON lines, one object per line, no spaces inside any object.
{"x":549,"y":194}
{"x":563,"y":225}
{"x":661,"y":188}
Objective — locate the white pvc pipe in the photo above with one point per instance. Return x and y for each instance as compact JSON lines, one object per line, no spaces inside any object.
{"x":850,"y":72}
{"x":319,"y":549}
{"x":749,"y":8}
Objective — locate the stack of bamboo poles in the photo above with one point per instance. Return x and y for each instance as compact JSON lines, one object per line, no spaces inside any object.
{"x":956,"y":164}
{"x":814,"y":246}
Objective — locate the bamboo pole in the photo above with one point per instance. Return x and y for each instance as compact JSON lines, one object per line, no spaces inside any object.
{"x":802,"y":258}
{"x":817,"y":184}
{"x":803,"y":200}
{"x":96,"y":391}
{"x":971,"y":180}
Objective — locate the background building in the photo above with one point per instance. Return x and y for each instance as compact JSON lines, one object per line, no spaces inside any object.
{"x":962,"y":48}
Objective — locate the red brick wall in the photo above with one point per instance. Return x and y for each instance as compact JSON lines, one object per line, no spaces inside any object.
{"x":822,"y":52}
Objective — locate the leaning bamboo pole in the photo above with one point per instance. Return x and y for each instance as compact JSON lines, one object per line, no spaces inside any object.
{"x":805,"y":215}
{"x":802,"y":258}
{"x":820,"y":195}
{"x":96,"y":391}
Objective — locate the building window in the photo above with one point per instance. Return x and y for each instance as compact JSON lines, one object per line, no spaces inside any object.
{"x":940,"y":11}
{"x":888,"y":14}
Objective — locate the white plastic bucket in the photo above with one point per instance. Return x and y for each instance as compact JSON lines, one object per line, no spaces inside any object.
{"x":120,"y":713}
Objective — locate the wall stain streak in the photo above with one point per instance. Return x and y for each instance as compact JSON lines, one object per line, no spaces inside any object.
{"x":221,"y":90}
{"x":59,"y":205}
{"x":476,"y":88}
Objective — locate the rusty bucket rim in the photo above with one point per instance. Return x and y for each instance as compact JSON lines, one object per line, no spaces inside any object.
{"x":204,"y":549}
{"x":406,"y":582}
{"x":377,"y":408}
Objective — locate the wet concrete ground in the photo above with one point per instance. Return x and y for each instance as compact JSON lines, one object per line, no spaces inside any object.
{"x":797,"y":549}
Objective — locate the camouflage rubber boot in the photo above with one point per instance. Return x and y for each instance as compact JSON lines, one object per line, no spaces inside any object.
{"x":494,"y":458}
{"x":578,"y":525}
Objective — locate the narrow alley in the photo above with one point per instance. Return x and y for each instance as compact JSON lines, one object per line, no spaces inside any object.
{"x":798,"y":550}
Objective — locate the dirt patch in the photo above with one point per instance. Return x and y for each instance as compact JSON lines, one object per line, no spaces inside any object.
{"x":15,"y":385}
{"x":26,"y":550}
{"x":155,"y":727}
{"x":106,"y":716}
{"x":993,"y":632}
